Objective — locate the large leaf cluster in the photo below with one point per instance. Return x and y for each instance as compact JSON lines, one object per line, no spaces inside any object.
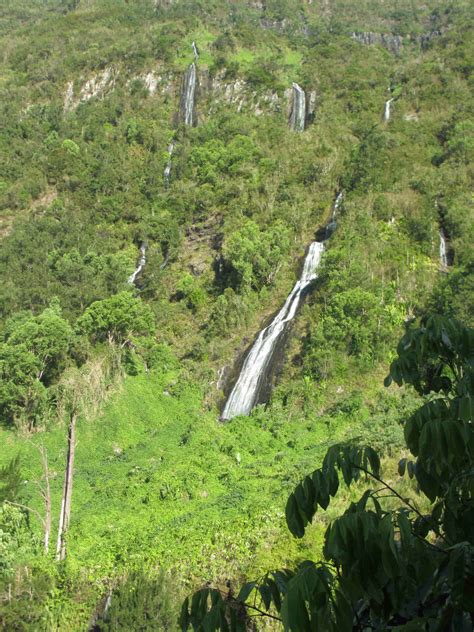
{"x":386,"y":565}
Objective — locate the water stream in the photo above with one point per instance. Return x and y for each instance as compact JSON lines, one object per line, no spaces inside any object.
{"x":167,"y":171}
{"x":443,"y":252}
{"x":188,"y":95}
{"x":141,"y":264}
{"x":298,"y":111}
{"x":387,"y":110}
{"x":246,"y":392}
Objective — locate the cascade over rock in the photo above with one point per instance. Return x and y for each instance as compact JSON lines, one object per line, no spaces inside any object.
{"x":443,"y":251}
{"x":387,"y":110}
{"x":247,"y":390}
{"x":195,"y":51}
{"x":141,"y":264}
{"x":167,"y":171}
{"x":298,"y":110}
{"x":188,"y":96}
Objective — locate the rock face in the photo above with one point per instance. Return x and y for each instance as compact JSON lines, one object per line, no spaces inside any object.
{"x":393,"y":43}
{"x":213,"y":92}
{"x":425,"y":40}
{"x":96,"y":86}
{"x":151,"y":82}
{"x":69,"y":96}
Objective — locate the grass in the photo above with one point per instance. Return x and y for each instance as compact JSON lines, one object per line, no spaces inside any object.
{"x":158,"y":481}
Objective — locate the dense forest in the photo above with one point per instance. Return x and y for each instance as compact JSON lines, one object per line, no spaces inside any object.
{"x":182,"y":183}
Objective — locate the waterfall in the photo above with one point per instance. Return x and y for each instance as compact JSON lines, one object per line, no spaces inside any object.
{"x":195,"y":51}
{"x":246,"y":392}
{"x":443,"y":254}
{"x":141,"y":264}
{"x":387,"y":110}
{"x":336,"y":205}
{"x":331,"y":226}
{"x":188,"y":95}
{"x":298,"y":111}
{"x":167,"y":171}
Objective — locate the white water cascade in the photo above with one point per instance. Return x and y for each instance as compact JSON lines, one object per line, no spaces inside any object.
{"x":167,"y":171}
{"x":443,"y":254}
{"x":141,"y":264}
{"x":387,"y":110}
{"x":195,"y":51}
{"x":337,"y":204}
{"x":245,"y":392}
{"x":298,"y":111}
{"x":188,"y":95}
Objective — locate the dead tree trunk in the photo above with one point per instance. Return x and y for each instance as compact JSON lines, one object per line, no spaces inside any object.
{"x":65,"y":514}
{"x":46,"y":493}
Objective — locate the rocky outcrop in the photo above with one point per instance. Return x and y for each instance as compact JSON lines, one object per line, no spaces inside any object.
{"x":213,"y":92}
{"x":425,"y":39}
{"x":156,"y":82}
{"x":239,"y":94}
{"x":69,"y":96}
{"x":395,"y":43}
{"x":95,"y":87}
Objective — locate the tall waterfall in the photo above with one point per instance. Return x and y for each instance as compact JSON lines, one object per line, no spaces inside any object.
{"x":167,"y":171}
{"x":247,"y":389}
{"x":298,"y":111}
{"x":141,"y":264}
{"x":188,"y":95}
{"x":195,"y":51}
{"x":245,"y":393}
{"x":443,"y":253}
{"x":387,"y":110}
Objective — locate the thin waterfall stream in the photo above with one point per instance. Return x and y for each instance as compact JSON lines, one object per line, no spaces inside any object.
{"x":141,"y":264}
{"x":167,"y":171}
{"x":298,"y":111}
{"x":387,"y":110}
{"x":188,"y":94}
{"x":443,"y":251}
{"x":246,"y":392}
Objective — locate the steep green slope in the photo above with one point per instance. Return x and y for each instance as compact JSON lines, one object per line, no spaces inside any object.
{"x":91,"y":100}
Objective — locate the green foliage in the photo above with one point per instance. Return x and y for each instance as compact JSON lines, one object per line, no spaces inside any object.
{"x":354,"y":320}
{"x":189,"y":289}
{"x":141,"y":602}
{"x":117,"y":319}
{"x":15,"y":539}
{"x":384,"y":565}
{"x":254,"y":254}
{"x":10,"y":480}
{"x":157,"y":479}
{"x":230,"y":311}
{"x":33,"y":355}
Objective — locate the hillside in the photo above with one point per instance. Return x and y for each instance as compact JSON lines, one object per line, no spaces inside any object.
{"x":164,"y":167}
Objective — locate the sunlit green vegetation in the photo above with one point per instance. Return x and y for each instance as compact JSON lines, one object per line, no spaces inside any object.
{"x":165,"y":496}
